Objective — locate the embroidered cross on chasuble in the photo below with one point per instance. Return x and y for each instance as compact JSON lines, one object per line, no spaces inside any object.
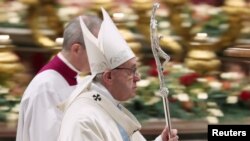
{"x":123,"y":133}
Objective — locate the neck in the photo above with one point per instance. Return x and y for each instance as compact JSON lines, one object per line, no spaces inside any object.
{"x":109,"y":89}
{"x":68,"y":59}
{"x":67,"y":56}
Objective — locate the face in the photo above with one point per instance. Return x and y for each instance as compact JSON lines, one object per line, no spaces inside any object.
{"x":124,"y":80}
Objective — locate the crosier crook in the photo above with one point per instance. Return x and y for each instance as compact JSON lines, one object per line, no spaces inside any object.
{"x":158,"y":52}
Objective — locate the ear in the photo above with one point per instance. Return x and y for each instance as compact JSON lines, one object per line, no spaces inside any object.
{"x":75,"y":48}
{"x":107,"y":77}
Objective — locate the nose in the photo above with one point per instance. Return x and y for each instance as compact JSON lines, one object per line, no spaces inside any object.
{"x":137,"y":77}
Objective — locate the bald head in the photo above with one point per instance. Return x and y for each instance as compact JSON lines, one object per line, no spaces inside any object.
{"x":73,"y":33}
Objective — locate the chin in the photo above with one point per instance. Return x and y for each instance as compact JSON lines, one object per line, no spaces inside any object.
{"x":132,"y":95}
{"x":129,"y":97}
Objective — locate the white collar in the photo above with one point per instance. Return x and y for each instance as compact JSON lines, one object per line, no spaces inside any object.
{"x":67,"y":62}
{"x":101,"y":89}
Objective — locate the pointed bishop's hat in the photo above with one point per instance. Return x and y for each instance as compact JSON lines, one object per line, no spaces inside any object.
{"x":106,"y":52}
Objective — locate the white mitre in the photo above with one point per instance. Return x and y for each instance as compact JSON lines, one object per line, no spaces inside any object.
{"x":106,"y":52}
{"x":114,"y":49}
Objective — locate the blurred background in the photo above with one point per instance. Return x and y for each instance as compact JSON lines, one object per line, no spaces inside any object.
{"x":207,"y":76}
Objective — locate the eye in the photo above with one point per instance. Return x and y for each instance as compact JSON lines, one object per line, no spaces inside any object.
{"x":130,"y":71}
{"x":134,"y":70}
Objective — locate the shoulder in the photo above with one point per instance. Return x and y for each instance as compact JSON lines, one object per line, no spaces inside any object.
{"x":44,"y":82}
{"x":84,"y":103}
{"x":47,"y":76}
{"x":85,"y":107}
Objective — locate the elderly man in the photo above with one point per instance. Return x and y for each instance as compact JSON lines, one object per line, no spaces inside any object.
{"x":93,"y":112}
{"x":39,"y":116}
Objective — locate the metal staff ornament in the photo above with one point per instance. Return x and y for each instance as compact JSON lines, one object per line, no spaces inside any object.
{"x":158,"y":52}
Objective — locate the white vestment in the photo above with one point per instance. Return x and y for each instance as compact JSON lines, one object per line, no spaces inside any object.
{"x":39,"y":117}
{"x":94,"y":115}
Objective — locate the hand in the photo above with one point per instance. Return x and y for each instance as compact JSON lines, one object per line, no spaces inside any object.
{"x":165,"y":137}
